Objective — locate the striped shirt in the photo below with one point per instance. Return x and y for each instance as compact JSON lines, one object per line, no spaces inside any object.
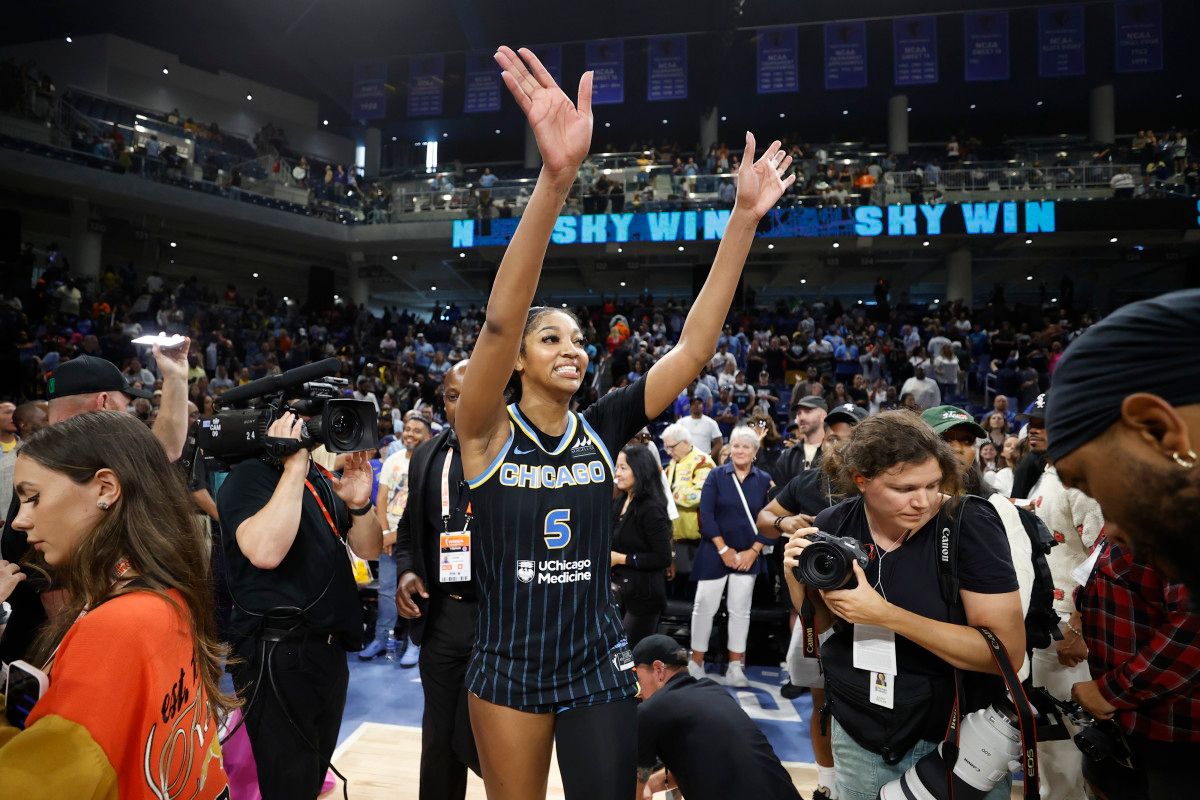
{"x":548,"y":633}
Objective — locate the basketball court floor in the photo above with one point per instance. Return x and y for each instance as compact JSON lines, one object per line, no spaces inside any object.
{"x":379,"y":748}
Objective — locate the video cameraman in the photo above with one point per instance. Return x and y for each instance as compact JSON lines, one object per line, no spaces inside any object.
{"x":286,"y":526}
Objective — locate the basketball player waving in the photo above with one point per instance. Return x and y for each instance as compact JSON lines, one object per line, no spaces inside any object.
{"x":551,"y":664}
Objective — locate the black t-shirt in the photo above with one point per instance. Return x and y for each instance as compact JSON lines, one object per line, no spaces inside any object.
{"x":910,"y":577}
{"x":314,"y":575}
{"x":710,"y":745}
{"x":807,"y":493}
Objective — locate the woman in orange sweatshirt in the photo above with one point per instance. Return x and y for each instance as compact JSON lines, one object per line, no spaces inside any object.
{"x":133,"y":662}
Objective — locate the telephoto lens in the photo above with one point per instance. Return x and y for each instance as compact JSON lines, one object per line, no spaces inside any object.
{"x":828,"y":563}
{"x":989,"y":748}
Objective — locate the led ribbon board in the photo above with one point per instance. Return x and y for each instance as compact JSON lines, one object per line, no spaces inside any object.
{"x":900,"y":221}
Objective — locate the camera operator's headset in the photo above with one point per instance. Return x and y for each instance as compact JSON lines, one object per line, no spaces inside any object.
{"x":280,"y":622}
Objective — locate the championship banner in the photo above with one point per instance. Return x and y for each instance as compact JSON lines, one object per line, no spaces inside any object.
{"x":777,"y":58}
{"x":368,"y":94}
{"x":1139,"y":36}
{"x":607,"y":58}
{"x":425,"y":83}
{"x":483,"y":85}
{"x":845,"y":55}
{"x":1060,"y":41}
{"x":985,"y":43}
{"x":914,"y":48}
{"x":666,"y":68}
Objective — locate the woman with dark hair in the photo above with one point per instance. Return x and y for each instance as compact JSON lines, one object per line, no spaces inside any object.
{"x":641,"y":548}
{"x":133,"y":661}
{"x":551,"y":664}
{"x":900,"y":478}
{"x":989,"y":459}
{"x":997,"y":428}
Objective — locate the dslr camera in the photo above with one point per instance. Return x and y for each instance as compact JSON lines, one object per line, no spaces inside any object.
{"x":828,"y":563}
{"x":239,"y":429}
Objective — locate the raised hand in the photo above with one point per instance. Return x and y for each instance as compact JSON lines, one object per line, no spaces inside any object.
{"x":563,"y":129}
{"x":354,"y":485}
{"x":760,"y":183}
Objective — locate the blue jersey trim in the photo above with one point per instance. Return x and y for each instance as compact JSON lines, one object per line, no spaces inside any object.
{"x":528,"y":430}
{"x":595,"y":437}
{"x":475,"y":483}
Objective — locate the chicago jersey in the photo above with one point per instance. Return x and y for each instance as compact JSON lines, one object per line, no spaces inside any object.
{"x":548,"y":632}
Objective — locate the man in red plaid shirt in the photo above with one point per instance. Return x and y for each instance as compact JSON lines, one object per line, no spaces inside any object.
{"x":1143,"y":640}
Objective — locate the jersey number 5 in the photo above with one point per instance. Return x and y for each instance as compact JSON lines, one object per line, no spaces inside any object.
{"x":558,"y":532}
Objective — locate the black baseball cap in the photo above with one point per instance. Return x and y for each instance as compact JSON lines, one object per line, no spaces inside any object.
{"x":88,"y":374}
{"x":847,"y":412}
{"x":1035,"y":410}
{"x":659,"y":647}
{"x":811,"y":401}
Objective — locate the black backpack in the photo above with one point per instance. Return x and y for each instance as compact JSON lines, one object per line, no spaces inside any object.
{"x":1041,"y":621}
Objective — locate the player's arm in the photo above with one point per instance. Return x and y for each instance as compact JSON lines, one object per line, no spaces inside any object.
{"x":760,"y":186}
{"x":564,"y":133}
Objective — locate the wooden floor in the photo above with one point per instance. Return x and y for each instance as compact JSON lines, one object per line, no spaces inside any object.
{"x":381,"y":762}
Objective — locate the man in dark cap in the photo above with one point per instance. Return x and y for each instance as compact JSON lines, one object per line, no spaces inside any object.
{"x":1132,"y":442}
{"x":809,"y":413}
{"x":710,"y":747}
{"x":87,"y":383}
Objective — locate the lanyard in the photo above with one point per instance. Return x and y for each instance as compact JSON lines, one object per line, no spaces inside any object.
{"x":446,"y":495}
{"x":316,"y":496}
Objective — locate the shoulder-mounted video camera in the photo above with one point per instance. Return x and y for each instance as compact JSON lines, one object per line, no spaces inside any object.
{"x":239,"y":429}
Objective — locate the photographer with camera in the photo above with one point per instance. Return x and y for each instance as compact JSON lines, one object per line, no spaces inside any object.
{"x":286,"y":525}
{"x":890,"y":666}
{"x":1141,"y":633}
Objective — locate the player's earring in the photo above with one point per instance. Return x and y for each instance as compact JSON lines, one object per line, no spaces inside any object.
{"x":1188,"y":461}
{"x":102,"y":505}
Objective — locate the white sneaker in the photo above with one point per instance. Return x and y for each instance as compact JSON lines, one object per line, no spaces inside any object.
{"x":736,"y":676}
{"x":696,"y":670}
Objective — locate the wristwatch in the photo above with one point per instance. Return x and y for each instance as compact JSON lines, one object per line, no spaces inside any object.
{"x":359,"y":512}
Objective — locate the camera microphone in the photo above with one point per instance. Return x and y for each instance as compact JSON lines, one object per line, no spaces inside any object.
{"x":277,"y":383}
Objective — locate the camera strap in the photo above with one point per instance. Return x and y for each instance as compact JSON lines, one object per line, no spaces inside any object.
{"x":1022,"y":706}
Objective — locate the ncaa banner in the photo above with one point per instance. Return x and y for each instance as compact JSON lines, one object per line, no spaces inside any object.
{"x":1139,"y":36}
{"x":914,"y":48}
{"x":845,"y":55}
{"x":667,"y":68}
{"x":483,"y":84}
{"x":425,"y":83}
{"x":368,"y":94}
{"x":777,"y":58}
{"x":1060,"y":41}
{"x":985,"y":43}
{"x":607,"y":58}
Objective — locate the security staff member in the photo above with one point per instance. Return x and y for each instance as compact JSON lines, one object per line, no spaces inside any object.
{"x":296,"y":612}
{"x":444,"y":616}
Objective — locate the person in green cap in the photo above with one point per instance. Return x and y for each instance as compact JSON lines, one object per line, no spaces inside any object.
{"x":960,"y":430}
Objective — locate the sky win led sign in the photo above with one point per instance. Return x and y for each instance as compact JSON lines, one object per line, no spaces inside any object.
{"x":977,"y":219}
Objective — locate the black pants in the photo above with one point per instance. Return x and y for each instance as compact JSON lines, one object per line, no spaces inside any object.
{"x":597,"y":750}
{"x":295,"y":714}
{"x":639,"y":626}
{"x":447,"y":744}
